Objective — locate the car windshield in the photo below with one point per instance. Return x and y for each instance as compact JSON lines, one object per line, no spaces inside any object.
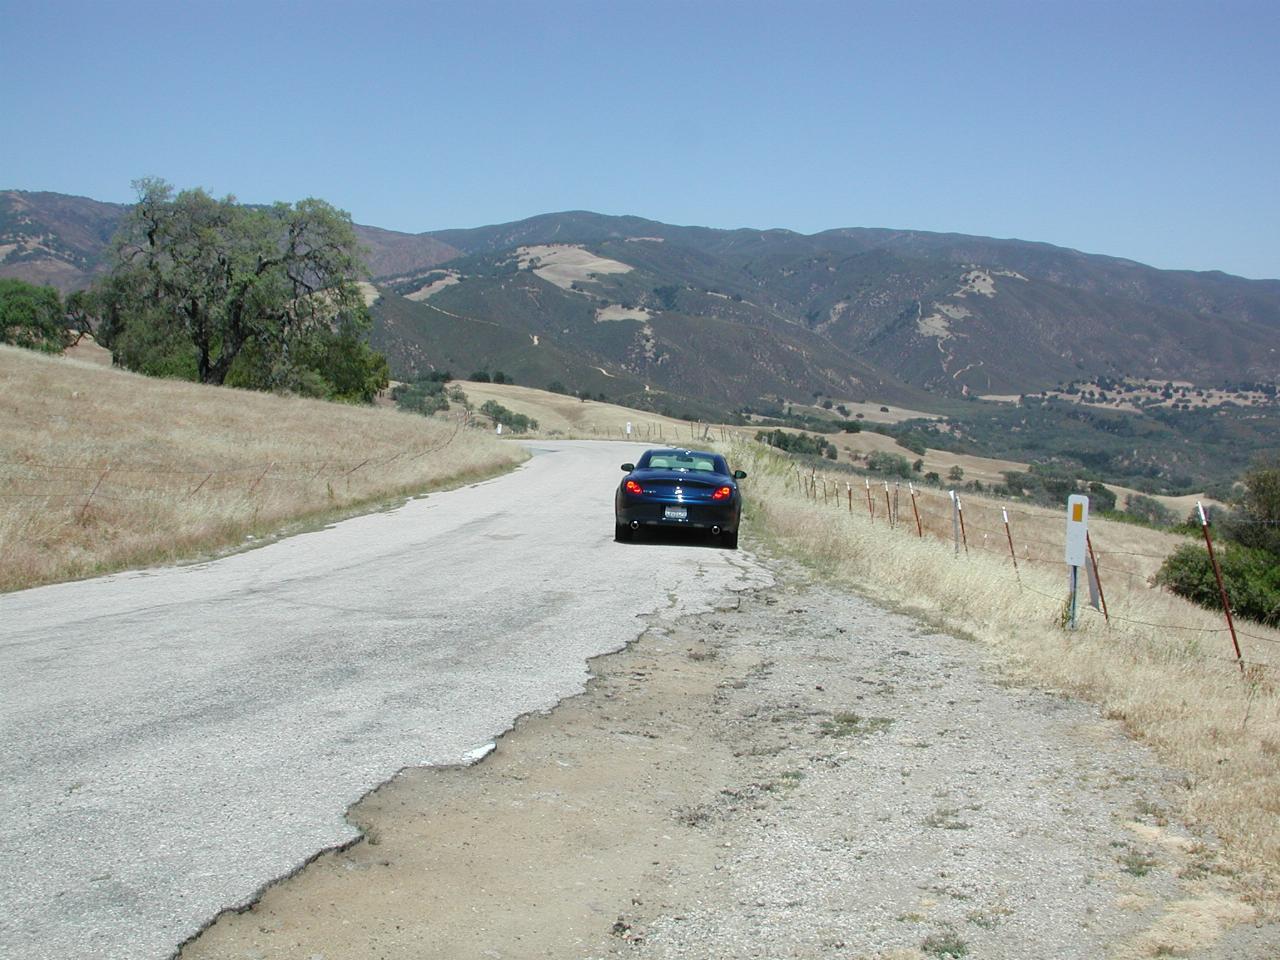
{"x":683,"y":460}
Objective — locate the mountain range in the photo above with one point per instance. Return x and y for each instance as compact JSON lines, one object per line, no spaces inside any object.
{"x":662,"y":316}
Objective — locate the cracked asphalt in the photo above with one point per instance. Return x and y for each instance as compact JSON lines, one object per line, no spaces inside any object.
{"x":174,"y":739}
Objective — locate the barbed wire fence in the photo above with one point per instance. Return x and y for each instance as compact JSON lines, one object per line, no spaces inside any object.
{"x":942,"y":517}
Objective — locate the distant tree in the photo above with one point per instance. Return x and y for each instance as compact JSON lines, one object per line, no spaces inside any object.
{"x":955,"y":474}
{"x":932,"y":477}
{"x":917,"y":466}
{"x":515,"y":422}
{"x":1262,"y":490}
{"x":827,"y":404}
{"x":666,"y":296}
{"x":263,"y":297}
{"x":1100,"y":498}
{"x":479,"y":376}
{"x":893,"y":464}
{"x":32,"y":316}
{"x":1149,"y":510}
{"x":555,"y":386}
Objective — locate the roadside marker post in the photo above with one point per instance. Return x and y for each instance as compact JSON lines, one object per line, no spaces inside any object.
{"x":916,"y":510}
{"x":871,"y":511}
{"x":628,"y":428}
{"x":849,"y":489}
{"x":1077,"y":549}
{"x":964,"y":535}
{"x":500,"y":429}
{"x":1222,"y":590}
{"x":888,"y":507}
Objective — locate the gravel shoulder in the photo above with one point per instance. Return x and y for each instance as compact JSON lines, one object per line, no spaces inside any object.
{"x":797,"y":773}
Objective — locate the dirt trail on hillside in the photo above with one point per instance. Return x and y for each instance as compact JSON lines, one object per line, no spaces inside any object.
{"x":798,"y":774}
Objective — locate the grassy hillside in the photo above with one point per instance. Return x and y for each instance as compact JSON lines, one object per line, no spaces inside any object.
{"x":103,"y":470}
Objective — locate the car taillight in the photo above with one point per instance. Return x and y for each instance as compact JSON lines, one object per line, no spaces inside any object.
{"x":633,"y":487}
{"x":724,"y":493}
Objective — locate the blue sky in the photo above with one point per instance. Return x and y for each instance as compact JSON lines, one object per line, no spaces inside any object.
{"x":1149,"y":130}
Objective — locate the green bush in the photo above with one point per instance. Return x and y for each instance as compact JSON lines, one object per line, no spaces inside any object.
{"x":425,"y":395}
{"x":515,"y":422}
{"x":1149,"y":510}
{"x":1251,"y":577}
{"x":798,"y":443}
{"x":32,"y":316}
{"x":893,"y":464}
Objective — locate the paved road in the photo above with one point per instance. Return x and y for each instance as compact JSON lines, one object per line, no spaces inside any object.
{"x":174,"y":739}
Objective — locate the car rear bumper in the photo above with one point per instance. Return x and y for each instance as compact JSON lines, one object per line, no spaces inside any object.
{"x":699,"y":516}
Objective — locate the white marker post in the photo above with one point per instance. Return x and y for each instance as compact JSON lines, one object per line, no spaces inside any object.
{"x":1077,"y":546}
{"x":955,"y":520}
{"x":628,"y":428}
{"x":499,"y":429}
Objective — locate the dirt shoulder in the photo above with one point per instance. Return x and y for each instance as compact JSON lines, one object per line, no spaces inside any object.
{"x":797,"y":774}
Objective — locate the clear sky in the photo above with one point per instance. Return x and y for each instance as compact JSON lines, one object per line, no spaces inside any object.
{"x":1149,"y":130}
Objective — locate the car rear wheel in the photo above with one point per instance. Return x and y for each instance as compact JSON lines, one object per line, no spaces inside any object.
{"x":729,"y":539}
{"x":621,"y":532}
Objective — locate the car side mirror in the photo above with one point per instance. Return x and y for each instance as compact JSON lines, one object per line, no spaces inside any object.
{"x":628,"y":467}
{"x":739,"y":474}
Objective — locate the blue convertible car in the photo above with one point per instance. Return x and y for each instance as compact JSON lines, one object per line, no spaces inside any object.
{"x":679,"y":488}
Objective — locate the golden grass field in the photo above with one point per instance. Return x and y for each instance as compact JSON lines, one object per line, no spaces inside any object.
{"x":102,"y":469}
{"x":1162,"y":666}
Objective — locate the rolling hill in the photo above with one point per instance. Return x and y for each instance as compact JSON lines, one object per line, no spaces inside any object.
{"x":61,"y":240}
{"x":710,"y":319}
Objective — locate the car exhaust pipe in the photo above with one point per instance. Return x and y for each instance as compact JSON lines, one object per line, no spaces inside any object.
{"x":715,"y":531}
{"x":635,"y":524}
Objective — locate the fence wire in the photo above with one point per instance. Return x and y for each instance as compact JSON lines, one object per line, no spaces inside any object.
{"x":936,"y":519}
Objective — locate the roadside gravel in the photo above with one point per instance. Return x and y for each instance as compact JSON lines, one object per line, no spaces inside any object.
{"x":797,"y":774}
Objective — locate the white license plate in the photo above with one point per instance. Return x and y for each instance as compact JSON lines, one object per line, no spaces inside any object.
{"x":677,"y":513}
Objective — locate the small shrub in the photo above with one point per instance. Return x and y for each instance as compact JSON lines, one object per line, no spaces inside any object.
{"x":1251,"y":578}
{"x":944,"y":945}
{"x":893,"y":464}
{"x":515,"y":422}
{"x":1149,"y":510}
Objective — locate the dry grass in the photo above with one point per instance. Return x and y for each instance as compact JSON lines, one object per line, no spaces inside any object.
{"x":561,"y":416}
{"x":102,"y":470}
{"x":1163,"y":666}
